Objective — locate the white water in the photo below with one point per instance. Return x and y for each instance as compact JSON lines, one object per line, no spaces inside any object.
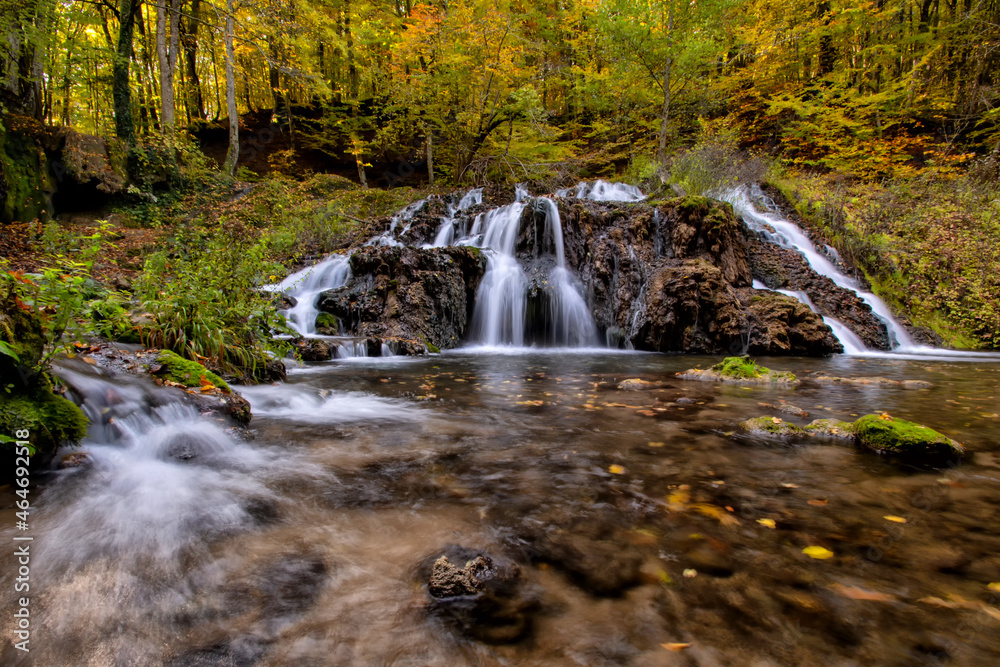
{"x":788,"y":235}
{"x":305,"y":287}
{"x":501,"y":303}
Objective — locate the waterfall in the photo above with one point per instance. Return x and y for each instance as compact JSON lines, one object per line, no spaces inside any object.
{"x":500,"y":315}
{"x":788,"y":235}
{"x":502,"y":300}
{"x":305,"y":287}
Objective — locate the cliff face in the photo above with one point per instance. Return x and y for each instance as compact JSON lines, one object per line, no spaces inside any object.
{"x":669,"y":276}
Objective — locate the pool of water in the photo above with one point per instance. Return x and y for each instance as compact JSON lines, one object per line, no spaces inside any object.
{"x":647,"y":530}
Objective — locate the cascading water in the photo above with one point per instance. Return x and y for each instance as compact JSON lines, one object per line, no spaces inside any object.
{"x":501,"y":300}
{"x":306,"y":285}
{"x":603,"y":191}
{"x":788,"y":235}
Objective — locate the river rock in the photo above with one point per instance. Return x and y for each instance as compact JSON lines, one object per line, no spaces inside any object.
{"x":313,"y":349}
{"x":830,"y":428}
{"x":884,"y":434}
{"x":872,"y":382}
{"x":480,"y":594}
{"x":780,"y":324}
{"x":409,"y":293}
{"x":770,"y":426}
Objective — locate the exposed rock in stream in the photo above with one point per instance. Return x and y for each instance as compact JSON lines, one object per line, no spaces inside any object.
{"x":409,"y":293}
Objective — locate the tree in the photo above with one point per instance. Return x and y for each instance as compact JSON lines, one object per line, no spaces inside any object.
{"x":166,"y":57}
{"x":121,"y":87}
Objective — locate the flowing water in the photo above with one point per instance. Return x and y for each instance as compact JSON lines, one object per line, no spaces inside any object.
{"x":637,"y":518}
{"x":645,"y":527}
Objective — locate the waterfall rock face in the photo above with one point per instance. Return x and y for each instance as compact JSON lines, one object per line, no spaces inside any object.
{"x":676,"y":278}
{"x":422,"y":294}
{"x":571,"y":271}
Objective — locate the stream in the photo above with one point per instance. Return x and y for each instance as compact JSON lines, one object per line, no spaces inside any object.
{"x":637,"y":519}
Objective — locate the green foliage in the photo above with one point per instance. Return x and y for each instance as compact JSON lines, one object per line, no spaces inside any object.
{"x":203,"y":300}
{"x":188,"y":373}
{"x":714,"y":164}
{"x":930,"y":246}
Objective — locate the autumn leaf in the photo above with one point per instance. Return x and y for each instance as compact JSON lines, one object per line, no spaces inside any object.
{"x":768,"y":523}
{"x":818,"y":502}
{"x":818,"y":553}
{"x":896,"y":519}
{"x":676,"y":646}
{"x":616,"y":469}
{"x":858,"y":593}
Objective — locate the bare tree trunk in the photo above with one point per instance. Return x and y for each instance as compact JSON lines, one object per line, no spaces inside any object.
{"x":661,"y":152}
{"x":429,"y":149}
{"x":233,"y":154}
{"x":361,"y":165}
{"x":166,"y":59}
{"x":195,"y":101}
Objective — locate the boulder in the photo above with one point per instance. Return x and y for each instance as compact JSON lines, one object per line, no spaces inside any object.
{"x":409,"y":293}
{"x":884,"y":434}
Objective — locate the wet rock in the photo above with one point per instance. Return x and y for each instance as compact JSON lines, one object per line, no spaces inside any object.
{"x":409,"y":293}
{"x":638,"y":384}
{"x":830,"y":428}
{"x":480,"y":594}
{"x":871,"y":382}
{"x":313,"y":349}
{"x":592,"y":550}
{"x":783,"y":268}
{"x":883,"y":434}
{"x":76,"y":460}
{"x":780,"y":324}
{"x":770,"y":426}
{"x":704,"y":558}
{"x":787,"y":409}
{"x":740,"y":370}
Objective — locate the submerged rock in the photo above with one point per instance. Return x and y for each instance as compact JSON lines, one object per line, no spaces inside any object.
{"x":483,"y":598}
{"x":884,"y":434}
{"x":830,"y":428}
{"x":638,"y":384}
{"x":872,"y":382}
{"x":770,"y":426}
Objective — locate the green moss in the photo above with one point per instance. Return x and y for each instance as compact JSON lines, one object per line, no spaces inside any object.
{"x":902,"y":438}
{"x":744,"y":368}
{"x":50,"y":419}
{"x":187,"y":372}
{"x":770,"y":426}
{"x":830,"y":428}
{"x":741,"y":368}
{"x":327,"y":321}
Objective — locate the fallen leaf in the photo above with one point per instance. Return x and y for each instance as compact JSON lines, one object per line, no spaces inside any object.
{"x":994,"y":586}
{"x":897,"y":519}
{"x":655,"y":444}
{"x":769,"y":523}
{"x":676,"y":646}
{"x":818,"y":502}
{"x":789,"y":485}
{"x":690,"y":573}
{"x":646,"y":413}
{"x":776,"y":420}
{"x":818,"y":553}
{"x":616,"y":469}
{"x":858,"y":593}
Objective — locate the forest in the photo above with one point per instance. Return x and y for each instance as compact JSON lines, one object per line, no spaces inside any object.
{"x":377,"y":332}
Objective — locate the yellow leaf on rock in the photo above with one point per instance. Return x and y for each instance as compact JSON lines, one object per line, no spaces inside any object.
{"x":819,"y":553}
{"x":769,"y":523}
{"x":776,"y":420}
{"x":616,"y":469}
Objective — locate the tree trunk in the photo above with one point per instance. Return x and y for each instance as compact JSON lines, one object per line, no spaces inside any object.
{"x":233,"y":154}
{"x":661,"y":152}
{"x":189,"y":41}
{"x":121,"y":92}
{"x":166,"y":59}
{"x":429,"y":149}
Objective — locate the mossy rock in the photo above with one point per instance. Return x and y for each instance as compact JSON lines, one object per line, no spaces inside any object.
{"x":50,"y":419}
{"x":770,"y":426}
{"x":830,"y":428}
{"x":186,"y":372}
{"x":897,"y":437}
{"x":327,"y":321}
{"x":740,"y":370}
{"x":22,"y":331}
